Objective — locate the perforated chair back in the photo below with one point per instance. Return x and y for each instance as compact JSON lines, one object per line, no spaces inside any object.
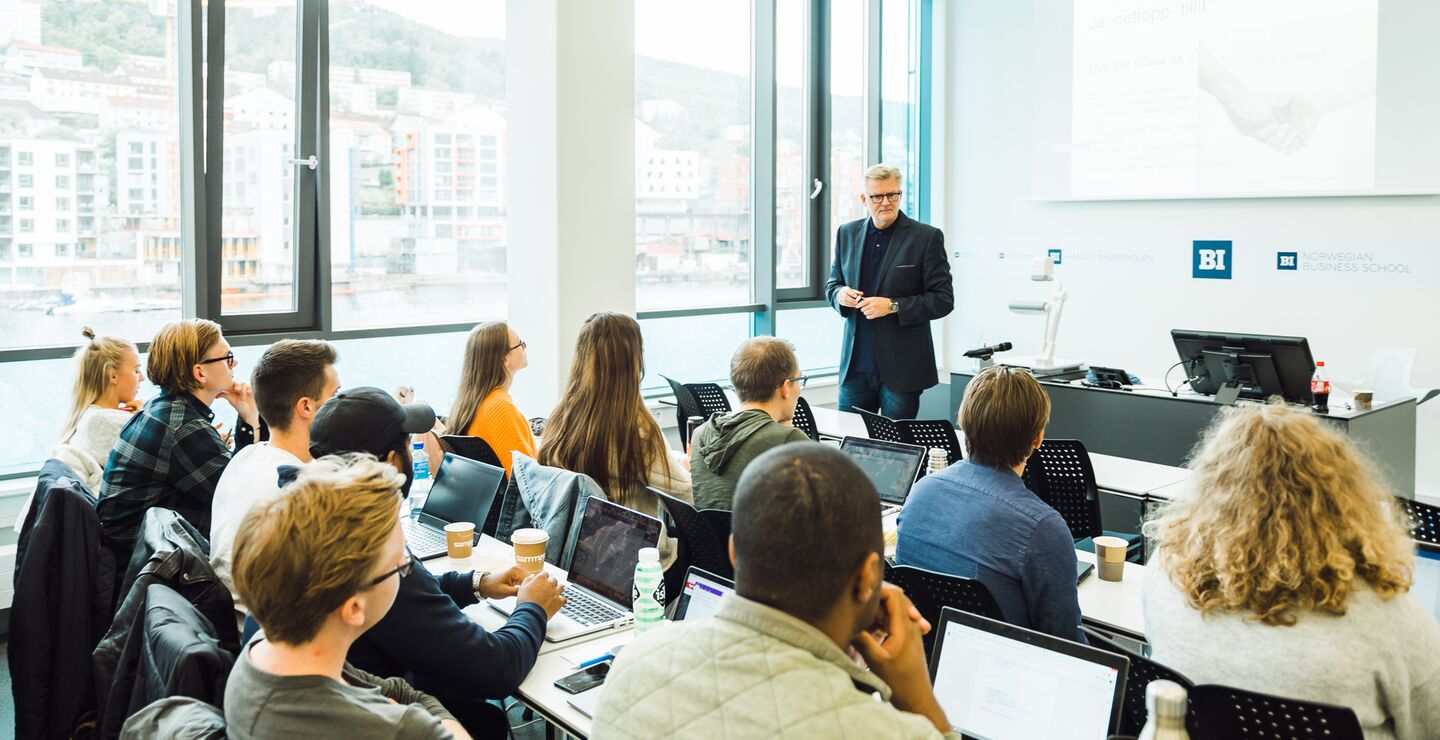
{"x":1226,"y":713}
{"x":477,"y":449}
{"x":1142,"y":672}
{"x":702,"y":546}
{"x":931,"y":591}
{"x":1424,"y":520}
{"x":930,"y":433}
{"x":804,"y":420}
{"x":719,"y":520}
{"x":881,"y":427}
{"x":1061,"y":475}
{"x":695,"y":399}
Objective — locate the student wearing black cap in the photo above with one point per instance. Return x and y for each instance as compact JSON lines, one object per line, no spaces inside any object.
{"x":426,"y":635}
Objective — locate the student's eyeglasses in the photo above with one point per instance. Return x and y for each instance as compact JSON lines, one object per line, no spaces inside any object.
{"x":521,"y":345}
{"x":882,"y":197}
{"x":403,"y":570}
{"x":228,"y":359}
{"x":801,"y":379}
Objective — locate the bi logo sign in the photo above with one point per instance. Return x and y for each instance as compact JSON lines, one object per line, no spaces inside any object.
{"x":1287,"y":260}
{"x":1212,"y":260}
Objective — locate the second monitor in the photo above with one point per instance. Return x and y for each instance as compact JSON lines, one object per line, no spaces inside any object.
{"x":1248,"y":365}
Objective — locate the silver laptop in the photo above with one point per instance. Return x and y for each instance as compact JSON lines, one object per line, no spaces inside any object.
{"x":463,"y":491}
{"x":602,"y":571}
{"x":891,"y":466}
{"x":702,"y":594}
{"x":997,"y":681}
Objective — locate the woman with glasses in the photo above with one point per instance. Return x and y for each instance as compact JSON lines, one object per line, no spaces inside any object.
{"x":319,"y":567}
{"x":767,"y":379}
{"x":483,"y":406}
{"x":170,"y":454}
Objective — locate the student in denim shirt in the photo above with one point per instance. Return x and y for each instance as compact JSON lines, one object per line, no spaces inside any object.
{"x":978,"y":520}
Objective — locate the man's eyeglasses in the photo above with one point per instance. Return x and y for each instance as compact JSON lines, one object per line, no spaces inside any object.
{"x":801,"y":379}
{"x":521,"y":345}
{"x":403,"y":570}
{"x":882,"y":197}
{"x":228,"y":359}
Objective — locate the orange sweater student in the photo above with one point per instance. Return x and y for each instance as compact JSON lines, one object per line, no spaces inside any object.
{"x":483,"y":407}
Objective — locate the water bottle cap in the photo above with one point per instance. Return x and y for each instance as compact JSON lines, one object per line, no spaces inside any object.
{"x":1165,"y":698}
{"x":1320,"y":363}
{"x":649,"y":555}
{"x":418,"y":444}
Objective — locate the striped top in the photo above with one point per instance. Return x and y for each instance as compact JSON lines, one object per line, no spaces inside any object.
{"x":503,"y":427}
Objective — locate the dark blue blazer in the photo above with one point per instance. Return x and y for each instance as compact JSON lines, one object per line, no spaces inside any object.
{"x":916,"y":273}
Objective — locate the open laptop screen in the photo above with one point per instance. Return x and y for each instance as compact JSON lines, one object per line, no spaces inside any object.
{"x":1427,"y":577}
{"x":463,"y":491}
{"x":1001,"y":682}
{"x":702,"y":595}
{"x":891,"y":466}
{"x":607,"y":546}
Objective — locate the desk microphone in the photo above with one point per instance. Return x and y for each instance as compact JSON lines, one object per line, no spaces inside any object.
{"x":984,"y":353}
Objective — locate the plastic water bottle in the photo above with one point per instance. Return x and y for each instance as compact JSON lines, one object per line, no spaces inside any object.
{"x":1165,"y":703}
{"x":648,"y":593}
{"x":1320,"y":389}
{"x":420,"y":486}
{"x":939,"y":460}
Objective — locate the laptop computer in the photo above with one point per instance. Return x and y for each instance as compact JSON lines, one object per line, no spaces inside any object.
{"x":702,"y":594}
{"x":997,"y":681}
{"x":1426,"y":587}
{"x":463,"y":491}
{"x":606,"y":547}
{"x":891,"y":466}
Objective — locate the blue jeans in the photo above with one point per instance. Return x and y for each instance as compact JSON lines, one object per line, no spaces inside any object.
{"x":865,"y":391}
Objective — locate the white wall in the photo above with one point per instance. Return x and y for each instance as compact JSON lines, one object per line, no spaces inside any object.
{"x":1127,"y":265}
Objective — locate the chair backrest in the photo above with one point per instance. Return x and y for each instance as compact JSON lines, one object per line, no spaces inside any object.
{"x":931,"y":591}
{"x":1061,"y":475}
{"x":930,"y":433}
{"x":1142,"y":671}
{"x":804,"y":420}
{"x":881,"y":427}
{"x":479,"y":450}
{"x":695,"y":399}
{"x":1225,"y":713}
{"x":1424,"y":520}
{"x":704,"y":548}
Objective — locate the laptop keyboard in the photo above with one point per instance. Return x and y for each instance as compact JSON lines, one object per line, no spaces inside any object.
{"x":424,"y":542}
{"x":886,"y":509}
{"x":586,"y":609}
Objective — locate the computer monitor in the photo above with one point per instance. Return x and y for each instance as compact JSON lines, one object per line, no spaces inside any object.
{"x":1426,"y":587}
{"x":1257,"y":365}
{"x":1001,"y":682}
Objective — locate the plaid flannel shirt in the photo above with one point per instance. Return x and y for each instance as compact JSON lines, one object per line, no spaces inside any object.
{"x":169,"y":455}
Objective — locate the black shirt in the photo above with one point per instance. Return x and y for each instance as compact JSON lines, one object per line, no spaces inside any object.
{"x":877,"y":243}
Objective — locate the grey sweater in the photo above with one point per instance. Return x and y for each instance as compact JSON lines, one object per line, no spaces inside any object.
{"x":263,"y":705}
{"x":1381,"y":659}
{"x":724,"y":445}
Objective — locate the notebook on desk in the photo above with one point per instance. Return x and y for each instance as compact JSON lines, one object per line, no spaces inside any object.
{"x":602,"y":572}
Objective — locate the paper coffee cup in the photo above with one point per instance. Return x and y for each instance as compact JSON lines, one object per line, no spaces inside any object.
{"x":530,"y":548}
{"x":1110,"y":558}
{"x":1364,"y":399}
{"x":459,"y":539}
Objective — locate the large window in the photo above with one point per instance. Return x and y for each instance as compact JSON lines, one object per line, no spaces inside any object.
{"x":900,"y":94}
{"x":88,"y":176}
{"x":692,"y":153}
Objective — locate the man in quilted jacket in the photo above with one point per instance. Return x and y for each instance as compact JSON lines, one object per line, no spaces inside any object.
{"x":777,"y":660}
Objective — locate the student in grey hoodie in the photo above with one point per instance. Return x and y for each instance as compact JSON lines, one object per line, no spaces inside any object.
{"x":766,"y":376}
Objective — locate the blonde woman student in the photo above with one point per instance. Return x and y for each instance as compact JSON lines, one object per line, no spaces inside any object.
{"x":1286,"y":570}
{"x":107,"y":376}
{"x":483,"y":406}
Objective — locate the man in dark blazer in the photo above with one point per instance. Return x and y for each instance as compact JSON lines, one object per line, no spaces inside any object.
{"x":890,"y":279}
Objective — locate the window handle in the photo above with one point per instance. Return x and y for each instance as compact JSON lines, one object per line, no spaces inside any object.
{"x":312,"y":161}
{"x":818,"y":187}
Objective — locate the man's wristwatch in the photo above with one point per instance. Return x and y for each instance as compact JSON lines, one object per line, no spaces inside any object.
{"x":894,"y":306}
{"x":476,"y":578}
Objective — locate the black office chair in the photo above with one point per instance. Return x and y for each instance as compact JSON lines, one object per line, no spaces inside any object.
{"x":804,"y":420}
{"x":719,"y":520}
{"x":1225,"y":713}
{"x":1060,"y":473}
{"x":1424,"y":520}
{"x":881,"y":427}
{"x":931,"y":591}
{"x":695,"y":399}
{"x":930,"y":433}
{"x":702,"y":545}
{"x":1142,"y":672}
{"x":478,"y":450}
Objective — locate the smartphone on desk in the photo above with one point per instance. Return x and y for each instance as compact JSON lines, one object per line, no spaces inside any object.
{"x":585,"y":679}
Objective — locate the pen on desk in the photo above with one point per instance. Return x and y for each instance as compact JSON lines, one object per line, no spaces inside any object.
{"x":593,"y":661}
